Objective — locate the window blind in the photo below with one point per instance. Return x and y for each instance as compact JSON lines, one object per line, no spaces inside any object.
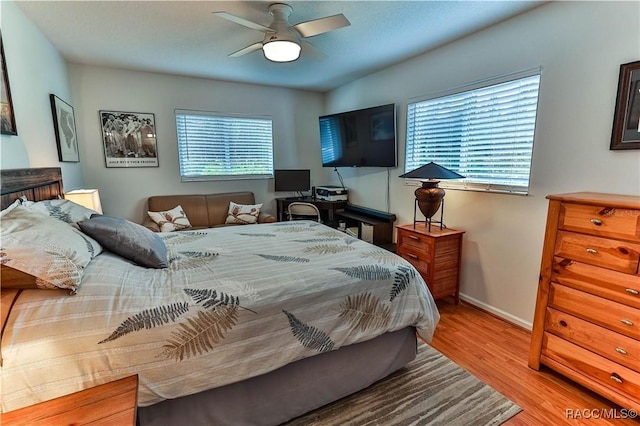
{"x":214,"y":146}
{"x":485,"y":134}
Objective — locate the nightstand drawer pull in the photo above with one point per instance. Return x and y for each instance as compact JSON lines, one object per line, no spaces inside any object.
{"x":632,"y":291}
{"x":413,"y":237}
{"x":626,"y":322}
{"x":615,"y":378}
{"x":622,"y":351}
{"x":596,"y":222}
{"x":413,"y":256}
{"x":592,"y":251}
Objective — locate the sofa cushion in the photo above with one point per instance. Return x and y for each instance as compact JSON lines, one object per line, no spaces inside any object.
{"x":218,"y":205}
{"x":171,"y":220}
{"x":243,"y":214}
{"x":194,"y":206}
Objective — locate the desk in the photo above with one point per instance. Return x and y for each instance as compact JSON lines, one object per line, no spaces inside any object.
{"x":327,"y":208}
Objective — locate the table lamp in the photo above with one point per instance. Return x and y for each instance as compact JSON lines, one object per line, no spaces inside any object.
{"x":429,"y":197}
{"x":89,"y":198}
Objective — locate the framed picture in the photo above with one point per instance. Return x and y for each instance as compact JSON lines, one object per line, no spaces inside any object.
{"x":626,"y":119}
{"x":64,"y":124}
{"x":129,"y":139}
{"x":8,"y":125}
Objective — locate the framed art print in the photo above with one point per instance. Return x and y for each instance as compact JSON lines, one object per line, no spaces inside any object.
{"x":64,"y":125}
{"x":129,"y":139}
{"x":626,"y":119}
{"x":8,"y":120}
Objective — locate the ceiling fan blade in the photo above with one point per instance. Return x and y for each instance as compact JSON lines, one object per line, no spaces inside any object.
{"x":248,"y":49}
{"x":311,"y":51}
{"x":322,"y":25}
{"x":244,"y":22}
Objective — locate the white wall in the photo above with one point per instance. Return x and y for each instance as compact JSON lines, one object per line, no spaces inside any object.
{"x":35,"y":70}
{"x":124,"y":191}
{"x":580,"y":46}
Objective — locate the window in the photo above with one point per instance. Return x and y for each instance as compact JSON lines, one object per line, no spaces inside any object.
{"x":484,"y":132}
{"x":214,"y":146}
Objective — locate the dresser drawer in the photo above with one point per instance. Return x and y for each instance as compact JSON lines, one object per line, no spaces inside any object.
{"x":614,"y":346}
{"x":613,"y":254}
{"x":415,"y":241}
{"x":600,"y":220}
{"x":616,"y":286}
{"x":614,"y":316}
{"x":593,"y":367}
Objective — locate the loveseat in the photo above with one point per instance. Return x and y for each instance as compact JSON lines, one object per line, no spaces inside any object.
{"x":202,"y":210}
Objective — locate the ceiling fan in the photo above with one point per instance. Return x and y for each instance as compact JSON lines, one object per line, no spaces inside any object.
{"x":282,"y":42}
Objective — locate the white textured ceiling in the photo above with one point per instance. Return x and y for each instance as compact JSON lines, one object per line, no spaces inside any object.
{"x":184,"y":38}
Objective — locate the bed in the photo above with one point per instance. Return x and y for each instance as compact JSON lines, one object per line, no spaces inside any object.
{"x":246,"y":325}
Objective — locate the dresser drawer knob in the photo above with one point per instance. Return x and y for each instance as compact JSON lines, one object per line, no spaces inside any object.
{"x":413,"y":237}
{"x":596,"y":222}
{"x":563,"y":323}
{"x":632,"y":291}
{"x":615,"y":378}
{"x":592,"y":251}
{"x":626,"y":322}
{"x":621,"y":351}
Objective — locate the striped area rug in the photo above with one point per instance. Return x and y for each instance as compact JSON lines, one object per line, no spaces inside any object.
{"x":431,"y":390}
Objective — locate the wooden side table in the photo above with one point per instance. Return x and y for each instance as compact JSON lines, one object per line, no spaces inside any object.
{"x":113,"y":403}
{"x":435,"y":254}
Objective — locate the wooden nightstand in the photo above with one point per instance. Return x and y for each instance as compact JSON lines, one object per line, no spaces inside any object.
{"x":435,"y":254}
{"x":113,"y":403}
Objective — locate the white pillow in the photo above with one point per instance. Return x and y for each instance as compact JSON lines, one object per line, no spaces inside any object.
{"x":46,"y":248}
{"x":64,"y":210}
{"x":241,"y":214}
{"x":172,"y":220}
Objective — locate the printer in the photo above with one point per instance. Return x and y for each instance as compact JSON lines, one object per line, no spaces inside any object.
{"x":331,"y":193}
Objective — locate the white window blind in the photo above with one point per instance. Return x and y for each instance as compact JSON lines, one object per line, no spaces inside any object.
{"x":485,"y":134}
{"x":214,"y":146}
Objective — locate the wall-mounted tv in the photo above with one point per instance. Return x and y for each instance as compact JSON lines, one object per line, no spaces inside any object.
{"x":292,"y":180}
{"x":360,"y":138}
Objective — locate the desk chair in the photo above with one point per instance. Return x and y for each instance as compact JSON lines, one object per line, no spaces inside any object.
{"x":298,"y":210}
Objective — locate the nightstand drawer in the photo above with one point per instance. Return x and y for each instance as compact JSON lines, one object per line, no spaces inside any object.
{"x":614,"y":316}
{"x":614,"y":346}
{"x":601,"y":220}
{"x":593,"y":367}
{"x":613,"y":254}
{"x":419,"y":263}
{"x":416,"y":241}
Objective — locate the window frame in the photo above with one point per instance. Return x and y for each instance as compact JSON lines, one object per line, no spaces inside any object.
{"x":466,"y":184}
{"x":224,"y":115}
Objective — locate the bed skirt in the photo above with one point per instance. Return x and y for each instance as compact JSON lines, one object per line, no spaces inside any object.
{"x":290,"y":391}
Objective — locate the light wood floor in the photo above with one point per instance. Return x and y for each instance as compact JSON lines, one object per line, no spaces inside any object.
{"x":497,"y":352}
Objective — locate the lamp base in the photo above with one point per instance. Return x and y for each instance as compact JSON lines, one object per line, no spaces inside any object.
{"x":428,"y":221}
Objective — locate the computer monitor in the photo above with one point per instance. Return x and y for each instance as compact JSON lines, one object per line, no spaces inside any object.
{"x":292,"y":180}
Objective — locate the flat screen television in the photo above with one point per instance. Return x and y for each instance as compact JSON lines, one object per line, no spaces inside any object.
{"x":360,"y":138}
{"x":292,"y":180}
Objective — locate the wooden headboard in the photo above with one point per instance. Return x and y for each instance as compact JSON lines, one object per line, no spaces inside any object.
{"x":37,"y":184}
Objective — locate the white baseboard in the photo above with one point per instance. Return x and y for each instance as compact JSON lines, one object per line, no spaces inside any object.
{"x":497,"y":312}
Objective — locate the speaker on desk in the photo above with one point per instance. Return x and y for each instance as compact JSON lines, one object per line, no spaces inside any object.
{"x":313,"y":192}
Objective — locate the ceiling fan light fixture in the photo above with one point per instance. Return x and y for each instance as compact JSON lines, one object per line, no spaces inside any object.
{"x":281,"y":50}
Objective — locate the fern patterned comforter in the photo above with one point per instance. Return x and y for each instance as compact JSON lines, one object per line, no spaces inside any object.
{"x":234,"y":303}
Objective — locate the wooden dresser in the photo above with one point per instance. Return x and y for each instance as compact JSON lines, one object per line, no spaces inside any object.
{"x":435,"y":254}
{"x":113,"y":404}
{"x":587,"y":318}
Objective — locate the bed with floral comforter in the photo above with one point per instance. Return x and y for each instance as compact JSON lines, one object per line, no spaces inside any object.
{"x":234,"y":303}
